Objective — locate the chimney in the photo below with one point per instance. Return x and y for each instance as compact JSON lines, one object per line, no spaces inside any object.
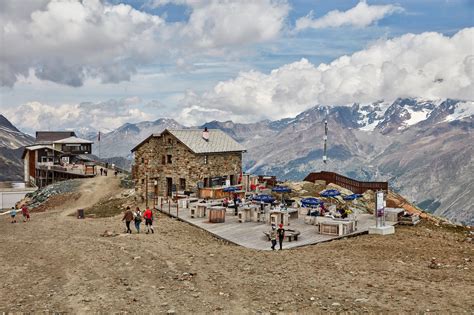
{"x":205,"y":134}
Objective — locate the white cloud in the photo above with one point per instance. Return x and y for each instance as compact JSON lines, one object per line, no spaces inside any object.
{"x":362,"y":15}
{"x":86,"y":116}
{"x":223,"y":23}
{"x":68,"y":41}
{"x":428,"y":65}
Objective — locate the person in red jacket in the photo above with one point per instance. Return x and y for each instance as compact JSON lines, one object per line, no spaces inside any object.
{"x":148,"y":215}
{"x":26,"y":213}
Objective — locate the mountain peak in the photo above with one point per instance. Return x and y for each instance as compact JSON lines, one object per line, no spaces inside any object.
{"x":4,"y":122}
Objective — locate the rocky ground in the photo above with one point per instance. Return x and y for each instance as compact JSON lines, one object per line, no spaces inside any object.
{"x":58,"y":263}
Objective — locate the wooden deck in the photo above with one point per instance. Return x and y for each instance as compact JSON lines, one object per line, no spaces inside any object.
{"x":250,"y":234}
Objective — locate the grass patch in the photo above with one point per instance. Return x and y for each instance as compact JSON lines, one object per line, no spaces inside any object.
{"x":106,"y":208}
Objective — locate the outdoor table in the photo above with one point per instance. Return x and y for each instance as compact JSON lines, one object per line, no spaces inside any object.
{"x":281,"y":217}
{"x":336,"y":227}
{"x":246,"y":214}
{"x":201,"y":210}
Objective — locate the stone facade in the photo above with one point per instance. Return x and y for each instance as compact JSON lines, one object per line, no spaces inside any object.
{"x":164,"y":161}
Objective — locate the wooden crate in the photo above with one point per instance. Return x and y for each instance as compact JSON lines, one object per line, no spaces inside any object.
{"x":216,"y":214}
{"x":328,"y":228}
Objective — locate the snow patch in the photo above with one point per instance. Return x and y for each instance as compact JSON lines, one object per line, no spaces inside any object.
{"x":416,"y":116}
{"x":462,"y":110}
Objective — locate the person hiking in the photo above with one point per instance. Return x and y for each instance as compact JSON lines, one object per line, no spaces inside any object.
{"x":13,"y":214}
{"x":281,"y":235}
{"x":25,"y":213}
{"x":148,"y":215}
{"x":105,"y":172}
{"x":101,"y":171}
{"x":128,"y":217}
{"x":272,"y":235}
{"x":137,"y":219}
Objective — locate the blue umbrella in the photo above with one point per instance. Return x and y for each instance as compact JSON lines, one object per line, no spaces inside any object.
{"x":330,"y":193}
{"x":229,"y":189}
{"x":352,"y":197}
{"x":311,"y":202}
{"x":263,"y":198}
{"x":281,"y":189}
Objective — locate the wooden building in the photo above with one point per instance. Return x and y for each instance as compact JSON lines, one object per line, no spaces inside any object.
{"x":185,"y":160}
{"x":56,"y":156}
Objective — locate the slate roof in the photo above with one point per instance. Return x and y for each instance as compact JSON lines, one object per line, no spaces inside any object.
{"x":218,"y":141}
{"x":37,"y":147}
{"x":50,"y":136}
{"x":73,"y":140}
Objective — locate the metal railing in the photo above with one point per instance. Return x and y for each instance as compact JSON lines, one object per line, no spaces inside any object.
{"x":353,"y":185}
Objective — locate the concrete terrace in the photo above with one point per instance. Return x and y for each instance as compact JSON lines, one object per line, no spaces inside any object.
{"x":250,"y":234}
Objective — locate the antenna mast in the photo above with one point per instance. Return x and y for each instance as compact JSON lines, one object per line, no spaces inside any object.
{"x":325,"y":156}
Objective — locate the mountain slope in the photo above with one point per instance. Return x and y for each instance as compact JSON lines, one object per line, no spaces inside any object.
{"x":418,"y":145}
{"x":119,"y":142}
{"x":12,"y":142}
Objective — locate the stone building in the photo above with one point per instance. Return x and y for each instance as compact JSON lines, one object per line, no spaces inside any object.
{"x":184,"y":159}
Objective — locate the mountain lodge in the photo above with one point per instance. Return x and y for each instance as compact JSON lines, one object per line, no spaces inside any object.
{"x":185,"y":160}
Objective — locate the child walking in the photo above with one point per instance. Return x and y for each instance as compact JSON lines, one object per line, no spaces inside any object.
{"x":13,"y":214}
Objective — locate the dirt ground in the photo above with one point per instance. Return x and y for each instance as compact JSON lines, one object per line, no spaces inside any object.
{"x":58,"y":263}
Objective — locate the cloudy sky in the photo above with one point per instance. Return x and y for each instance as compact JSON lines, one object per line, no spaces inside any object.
{"x":98,"y":64}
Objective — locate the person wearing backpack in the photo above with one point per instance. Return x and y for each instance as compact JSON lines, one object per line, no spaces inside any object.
{"x":137,"y":219}
{"x":148,"y":215}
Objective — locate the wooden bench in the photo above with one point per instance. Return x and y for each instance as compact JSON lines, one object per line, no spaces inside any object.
{"x":290,"y":235}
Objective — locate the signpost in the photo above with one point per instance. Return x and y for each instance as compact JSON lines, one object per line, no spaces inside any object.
{"x":380,"y":227}
{"x":379,"y":209}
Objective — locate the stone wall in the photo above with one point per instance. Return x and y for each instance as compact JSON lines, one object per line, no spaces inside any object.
{"x":185,"y":164}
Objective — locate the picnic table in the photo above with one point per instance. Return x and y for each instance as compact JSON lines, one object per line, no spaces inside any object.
{"x":290,"y":235}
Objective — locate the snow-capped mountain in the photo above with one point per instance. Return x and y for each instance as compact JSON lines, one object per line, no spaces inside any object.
{"x":422,"y":147}
{"x":12,"y":142}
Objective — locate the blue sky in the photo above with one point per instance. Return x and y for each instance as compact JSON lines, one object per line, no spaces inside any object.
{"x":171,"y":58}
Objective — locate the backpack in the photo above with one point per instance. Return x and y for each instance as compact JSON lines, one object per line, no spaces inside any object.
{"x":138,"y":217}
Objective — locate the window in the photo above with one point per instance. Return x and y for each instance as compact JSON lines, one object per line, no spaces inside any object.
{"x":143,"y":181}
{"x":169,"y":159}
{"x":163,"y":160}
{"x":205,"y":159}
{"x":182,"y":184}
{"x":170,"y":141}
{"x":143,"y":160}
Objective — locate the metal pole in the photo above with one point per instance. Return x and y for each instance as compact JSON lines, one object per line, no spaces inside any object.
{"x":177,"y":208}
{"x":169,"y":206}
{"x":52,"y":168}
{"x":146,"y":189}
{"x":325,"y":157}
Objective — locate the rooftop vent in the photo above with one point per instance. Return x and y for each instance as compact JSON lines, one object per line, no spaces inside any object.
{"x":205,"y":134}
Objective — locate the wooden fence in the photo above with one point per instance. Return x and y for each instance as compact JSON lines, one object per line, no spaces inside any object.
{"x":353,"y":185}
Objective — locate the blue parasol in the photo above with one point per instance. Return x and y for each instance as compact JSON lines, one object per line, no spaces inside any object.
{"x":330,"y":193}
{"x":352,"y":197}
{"x":263,"y":198}
{"x":311,"y":202}
{"x":281,"y":189}
{"x":229,"y":189}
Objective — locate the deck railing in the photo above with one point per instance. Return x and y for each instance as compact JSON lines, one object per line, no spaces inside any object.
{"x":353,"y":185}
